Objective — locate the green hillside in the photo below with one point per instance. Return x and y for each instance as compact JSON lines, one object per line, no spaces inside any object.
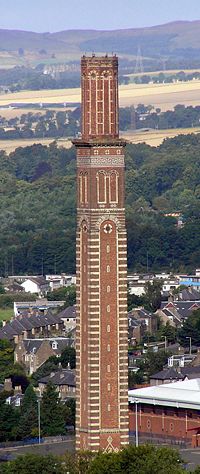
{"x":38,"y":207}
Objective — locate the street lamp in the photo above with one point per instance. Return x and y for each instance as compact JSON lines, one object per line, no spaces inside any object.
{"x":39,"y":420}
{"x":189,"y":337}
{"x":39,"y":424}
{"x":136,"y":422}
{"x":165,"y":337}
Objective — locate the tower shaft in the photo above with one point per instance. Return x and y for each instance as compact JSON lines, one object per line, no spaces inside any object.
{"x":101,"y":336}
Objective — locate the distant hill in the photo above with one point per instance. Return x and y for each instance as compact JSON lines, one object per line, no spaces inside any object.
{"x":179,"y":40}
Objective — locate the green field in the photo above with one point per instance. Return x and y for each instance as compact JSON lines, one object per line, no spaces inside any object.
{"x":6,"y":314}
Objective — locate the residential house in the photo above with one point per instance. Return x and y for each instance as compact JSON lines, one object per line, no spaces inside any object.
{"x":136,"y":330}
{"x":32,"y":353}
{"x":187,"y":294}
{"x":60,"y":281}
{"x":36,"y":285}
{"x":64,"y":381}
{"x":172,"y":374}
{"x":149,"y":319}
{"x":13,"y":287}
{"x":68,"y":316}
{"x":166,"y":376}
{"x":176,"y":312}
{"x":32,"y":326}
{"x":137,"y":282}
{"x":15,"y":397}
{"x":15,"y":400}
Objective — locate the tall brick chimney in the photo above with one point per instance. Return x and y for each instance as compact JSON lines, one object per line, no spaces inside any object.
{"x":102,"y":327}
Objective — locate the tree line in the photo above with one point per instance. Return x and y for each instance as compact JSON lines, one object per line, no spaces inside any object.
{"x":165,"y":77}
{"x":66,"y":123}
{"x":147,"y":117}
{"x":144,"y":460}
{"x":41,"y":125}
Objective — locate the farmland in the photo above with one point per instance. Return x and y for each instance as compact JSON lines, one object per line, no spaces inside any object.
{"x":151,"y":137}
{"x":10,"y":145}
{"x":164,"y":96}
{"x":156,"y":137}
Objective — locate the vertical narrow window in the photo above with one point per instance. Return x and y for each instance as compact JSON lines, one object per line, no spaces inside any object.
{"x":83,"y":188}
{"x":113,"y":187}
{"x":101,"y":187}
{"x":86,"y":188}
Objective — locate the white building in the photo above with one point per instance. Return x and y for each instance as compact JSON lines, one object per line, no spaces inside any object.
{"x":36,"y":285}
{"x":136,"y":282}
{"x":60,"y":281}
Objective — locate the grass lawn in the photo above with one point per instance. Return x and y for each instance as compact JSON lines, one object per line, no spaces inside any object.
{"x":6,"y":314}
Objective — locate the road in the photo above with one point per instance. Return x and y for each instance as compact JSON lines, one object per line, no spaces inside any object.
{"x":190,"y":456}
{"x":59,"y":448}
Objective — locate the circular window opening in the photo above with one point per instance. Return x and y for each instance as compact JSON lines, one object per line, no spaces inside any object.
{"x":108,"y":228}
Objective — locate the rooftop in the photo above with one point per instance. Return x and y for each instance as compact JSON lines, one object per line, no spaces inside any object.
{"x":184,"y":394}
{"x":62,"y":377}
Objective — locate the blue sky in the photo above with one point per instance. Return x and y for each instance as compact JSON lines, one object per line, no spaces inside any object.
{"x":52,"y":15}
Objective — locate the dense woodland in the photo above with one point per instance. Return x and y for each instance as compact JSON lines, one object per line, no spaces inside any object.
{"x":38,"y":207}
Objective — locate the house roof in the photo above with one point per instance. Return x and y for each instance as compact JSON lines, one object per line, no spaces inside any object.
{"x":66,"y":313}
{"x":183,"y":308}
{"x":167,"y":374}
{"x":32,"y":345}
{"x":38,"y":304}
{"x":176,"y":316}
{"x":191,"y":371}
{"x":190,"y":295}
{"x":139,"y":313}
{"x":40,"y":281}
{"x":182,"y":394}
{"x":20,"y":324}
{"x":62,"y":377}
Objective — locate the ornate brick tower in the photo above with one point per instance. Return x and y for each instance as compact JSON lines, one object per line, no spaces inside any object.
{"x":101,"y":338}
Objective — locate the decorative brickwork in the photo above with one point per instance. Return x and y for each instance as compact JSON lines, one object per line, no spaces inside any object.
{"x":101,"y":337}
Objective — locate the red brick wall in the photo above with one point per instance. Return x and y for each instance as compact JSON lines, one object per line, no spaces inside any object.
{"x":109,"y":326}
{"x":164,"y":421}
